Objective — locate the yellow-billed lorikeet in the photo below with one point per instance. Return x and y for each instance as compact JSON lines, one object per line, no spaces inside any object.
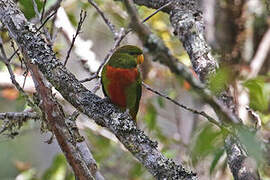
{"x":121,"y":79}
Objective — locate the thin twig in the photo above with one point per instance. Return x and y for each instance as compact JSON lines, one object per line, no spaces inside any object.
{"x":202,"y":113}
{"x":120,"y":37}
{"x":122,"y":33}
{"x":45,"y":21}
{"x":38,"y":15}
{"x":106,"y":20}
{"x":10,"y":125}
{"x":36,"y":9}
{"x":43,"y":10}
{"x":12,"y":76}
{"x":94,"y":76}
{"x":53,"y":32}
{"x":19,"y":115}
{"x":53,"y":8}
{"x":79,"y":27}
{"x":159,"y":9}
{"x":13,"y":54}
{"x":260,"y":56}
{"x":21,"y":60}
{"x":5,"y":60}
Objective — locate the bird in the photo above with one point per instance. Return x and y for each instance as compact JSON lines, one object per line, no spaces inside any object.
{"x":121,"y":79}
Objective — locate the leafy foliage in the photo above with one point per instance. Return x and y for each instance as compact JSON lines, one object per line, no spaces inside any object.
{"x":58,"y":169}
{"x":110,"y":156}
{"x":217,"y":155}
{"x":28,"y":8}
{"x":259,"y":94}
{"x":151,"y":116}
{"x":208,"y":141}
{"x":252,"y":144}
{"x":220,"y":80}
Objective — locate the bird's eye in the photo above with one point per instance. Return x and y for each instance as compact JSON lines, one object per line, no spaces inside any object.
{"x":140,"y":59}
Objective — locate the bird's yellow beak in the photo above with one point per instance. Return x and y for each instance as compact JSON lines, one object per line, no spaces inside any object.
{"x":140,"y":59}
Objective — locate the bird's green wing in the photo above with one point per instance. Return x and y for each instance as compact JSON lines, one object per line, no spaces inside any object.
{"x":133,"y":94}
{"x":139,"y":94}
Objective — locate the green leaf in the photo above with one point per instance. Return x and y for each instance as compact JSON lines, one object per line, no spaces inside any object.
{"x":219,"y":80}
{"x":28,"y":8}
{"x":20,"y":103}
{"x":50,"y":3}
{"x":169,"y":153}
{"x":84,"y":5}
{"x":206,"y":143}
{"x":72,"y":18}
{"x":30,"y":174}
{"x":217,"y":157}
{"x":136,"y":171}
{"x":162,"y":138}
{"x":57,"y":170}
{"x":70,"y":176}
{"x":150,"y":116}
{"x":257,"y":93}
{"x":102,"y":146}
{"x":160,"y":102}
{"x":252,"y":144}
{"x":265,"y":118}
{"x":172,"y":93}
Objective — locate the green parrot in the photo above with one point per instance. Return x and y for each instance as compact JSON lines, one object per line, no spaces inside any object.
{"x":121,"y":79}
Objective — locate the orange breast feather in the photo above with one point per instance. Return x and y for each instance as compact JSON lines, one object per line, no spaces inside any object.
{"x":119,"y":80}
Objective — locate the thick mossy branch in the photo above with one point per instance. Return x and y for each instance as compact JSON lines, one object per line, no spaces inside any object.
{"x":35,"y":48}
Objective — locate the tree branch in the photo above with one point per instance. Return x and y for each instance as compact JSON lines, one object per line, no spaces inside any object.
{"x":241,"y":166}
{"x":38,"y":53}
{"x":56,"y":120}
{"x":14,"y":120}
{"x":260,"y":56}
{"x":19,"y":115}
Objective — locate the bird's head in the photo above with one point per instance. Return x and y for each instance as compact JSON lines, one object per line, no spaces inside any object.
{"x":127,"y":56}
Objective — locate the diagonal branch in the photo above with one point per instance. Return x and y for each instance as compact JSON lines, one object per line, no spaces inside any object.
{"x":40,"y":55}
{"x":106,"y":20}
{"x":260,"y":56}
{"x":202,"y":113}
{"x":56,"y":120}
